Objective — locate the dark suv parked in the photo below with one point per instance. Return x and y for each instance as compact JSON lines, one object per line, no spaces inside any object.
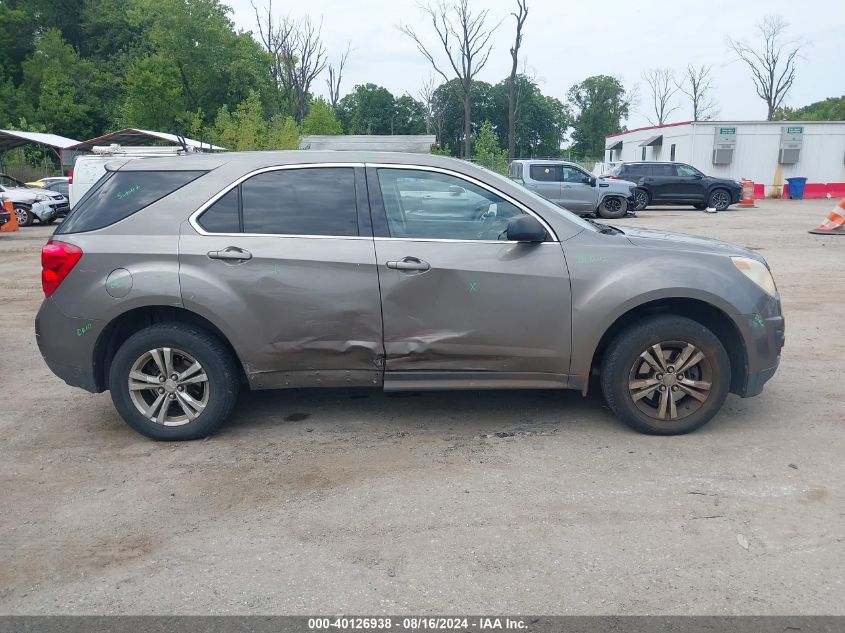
{"x":677,"y":183}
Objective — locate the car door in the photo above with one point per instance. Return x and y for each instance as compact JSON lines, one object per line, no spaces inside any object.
{"x":462,"y":306}
{"x":283,"y":264}
{"x":690,"y":186}
{"x":544,"y":179}
{"x":662,"y":182}
{"x":577,"y":192}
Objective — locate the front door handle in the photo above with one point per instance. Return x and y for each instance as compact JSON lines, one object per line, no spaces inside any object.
{"x":231,"y":253}
{"x":409,"y":264}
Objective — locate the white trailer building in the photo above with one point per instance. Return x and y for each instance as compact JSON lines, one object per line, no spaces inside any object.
{"x":767,"y":152}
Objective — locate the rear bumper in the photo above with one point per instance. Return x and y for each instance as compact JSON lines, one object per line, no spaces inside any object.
{"x":67,"y":345}
{"x":764,"y":341}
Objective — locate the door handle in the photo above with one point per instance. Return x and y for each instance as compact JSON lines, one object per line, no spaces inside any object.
{"x":409,"y":264}
{"x":230,"y":253}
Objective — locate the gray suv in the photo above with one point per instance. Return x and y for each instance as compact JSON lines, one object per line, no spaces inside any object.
{"x":573,"y":188}
{"x":176,"y":282}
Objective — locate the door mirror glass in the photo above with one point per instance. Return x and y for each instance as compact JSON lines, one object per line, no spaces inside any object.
{"x":525,"y":228}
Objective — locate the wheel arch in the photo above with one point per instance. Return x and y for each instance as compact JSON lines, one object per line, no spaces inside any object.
{"x":127,"y":323}
{"x":703,"y":312}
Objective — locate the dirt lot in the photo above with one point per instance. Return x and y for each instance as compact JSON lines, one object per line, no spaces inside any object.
{"x":358,"y":502}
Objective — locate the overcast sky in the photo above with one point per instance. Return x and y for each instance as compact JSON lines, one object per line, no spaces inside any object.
{"x":566,"y":41}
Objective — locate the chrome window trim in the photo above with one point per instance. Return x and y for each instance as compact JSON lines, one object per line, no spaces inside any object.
{"x":196,"y":226}
{"x":478,"y":183}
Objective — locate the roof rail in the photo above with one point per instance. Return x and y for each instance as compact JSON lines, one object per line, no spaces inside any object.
{"x":115,"y":148}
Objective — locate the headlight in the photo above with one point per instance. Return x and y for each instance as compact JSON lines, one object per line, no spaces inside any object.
{"x":41,"y":197}
{"x":756,"y":272}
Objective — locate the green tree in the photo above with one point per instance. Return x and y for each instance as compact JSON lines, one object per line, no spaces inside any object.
{"x":283,"y":132}
{"x":601,"y":103}
{"x":486,"y":150}
{"x":408,"y":116}
{"x":830,"y":109}
{"x":448,"y":111}
{"x":243,"y":129}
{"x":368,"y":109}
{"x":321,"y":119}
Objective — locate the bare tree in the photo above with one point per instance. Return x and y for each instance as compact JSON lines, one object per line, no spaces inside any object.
{"x":521,"y":14}
{"x":426,"y":95}
{"x":773,"y":64}
{"x":466,"y":42}
{"x":697,"y":84}
{"x":335,"y":77}
{"x":303,"y":58}
{"x":274,"y":33}
{"x":662,"y":85}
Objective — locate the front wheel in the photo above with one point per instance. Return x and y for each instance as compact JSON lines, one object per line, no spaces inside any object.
{"x":666,"y":375}
{"x":719,"y":200}
{"x":613,"y":208}
{"x":173,"y":381}
{"x":24,"y":216}
{"x":642,"y":199}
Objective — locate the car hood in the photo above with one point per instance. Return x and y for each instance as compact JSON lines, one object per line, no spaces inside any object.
{"x":27,"y":193}
{"x":616,"y":184}
{"x":650,"y":238}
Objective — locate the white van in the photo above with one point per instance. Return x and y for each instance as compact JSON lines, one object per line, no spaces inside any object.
{"x":88,"y":168}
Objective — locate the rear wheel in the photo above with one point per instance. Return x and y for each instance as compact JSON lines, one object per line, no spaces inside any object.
{"x":173,"y":381}
{"x":613,"y":208}
{"x":666,"y":375}
{"x":642,"y":199}
{"x":24,"y":216}
{"x":720,"y":199}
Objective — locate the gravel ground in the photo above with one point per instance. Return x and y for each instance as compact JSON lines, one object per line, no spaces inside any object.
{"x":513,"y":502}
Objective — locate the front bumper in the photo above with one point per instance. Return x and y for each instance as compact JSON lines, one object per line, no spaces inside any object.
{"x":44,"y":211}
{"x":764,"y":340}
{"x":67,"y":345}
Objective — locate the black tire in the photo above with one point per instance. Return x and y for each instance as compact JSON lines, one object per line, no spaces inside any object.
{"x":700,"y":206}
{"x":643,"y":199}
{"x":720,"y":199}
{"x":623,"y":358}
{"x":24,"y":216}
{"x":215,"y":360}
{"x":613,"y":208}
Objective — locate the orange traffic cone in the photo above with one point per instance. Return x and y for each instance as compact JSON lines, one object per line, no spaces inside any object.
{"x":747,"y":201}
{"x":834,"y":223}
{"x":12,"y":224}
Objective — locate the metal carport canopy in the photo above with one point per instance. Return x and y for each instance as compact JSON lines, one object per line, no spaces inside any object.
{"x":10,"y":139}
{"x":136,"y":136}
{"x":652,"y":141}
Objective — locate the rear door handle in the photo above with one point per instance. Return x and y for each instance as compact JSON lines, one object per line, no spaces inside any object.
{"x":231,"y":253}
{"x":409,"y":264}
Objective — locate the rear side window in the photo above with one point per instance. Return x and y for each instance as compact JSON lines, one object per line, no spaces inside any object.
{"x":545,"y":173}
{"x":120,"y":194}
{"x":222,"y":216}
{"x":306,"y":201}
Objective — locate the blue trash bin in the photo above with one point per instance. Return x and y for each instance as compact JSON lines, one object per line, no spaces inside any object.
{"x":796,"y":188}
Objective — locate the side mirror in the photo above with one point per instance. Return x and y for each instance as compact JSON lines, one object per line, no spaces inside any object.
{"x":525,"y":228}
{"x":592,"y":181}
{"x":698,"y":176}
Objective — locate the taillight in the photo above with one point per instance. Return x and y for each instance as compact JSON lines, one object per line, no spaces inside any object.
{"x":57,"y":260}
{"x":70,"y":177}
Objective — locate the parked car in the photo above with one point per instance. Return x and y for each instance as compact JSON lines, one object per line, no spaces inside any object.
{"x":677,"y":183}
{"x":176,"y":282}
{"x":573,"y":188}
{"x":32,"y":203}
{"x":59,"y":184}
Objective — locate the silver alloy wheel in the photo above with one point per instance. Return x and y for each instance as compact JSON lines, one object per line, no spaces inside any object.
{"x":720,"y":200}
{"x":641,"y":198}
{"x":168,"y":386}
{"x":670,"y":380}
{"x":22,"y":215}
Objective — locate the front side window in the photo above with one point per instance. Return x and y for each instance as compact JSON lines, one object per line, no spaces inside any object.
{"x":430,"y":205}
{"x":119,"y":194}
{"x":304,"y":201}
{"x":574,"y":175}
{"x":545,"y":173}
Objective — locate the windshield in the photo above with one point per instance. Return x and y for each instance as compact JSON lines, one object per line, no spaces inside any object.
{"x":541,"y":202}
{"x":8,"y":181}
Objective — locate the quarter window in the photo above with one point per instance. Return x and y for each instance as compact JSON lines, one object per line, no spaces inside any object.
{"x":430,"y":205}
{"x":304,"y":201}
{"x":222,"y":216}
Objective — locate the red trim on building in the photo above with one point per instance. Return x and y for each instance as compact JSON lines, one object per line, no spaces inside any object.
{"x":651,"y":127}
